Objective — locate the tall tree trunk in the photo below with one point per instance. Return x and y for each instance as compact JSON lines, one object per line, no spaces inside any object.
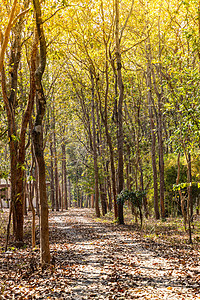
{"x":153,"y":137}
{"x":161,"y":158}
{"x":142,"y":188}
{"x":37,"y":189}
{"x":182,"y":198}
{"x":17,"y":143}
{"x":70,"y":194}
{"x":109,"y":187}
{"x":52,"y":194}
{"x":61,"y":196}
{"x":38,"y":139}
{"x":158,"y":87}
{"x":55,"y":162}
{"x":96,"y":171}
{"x":190,"y":184}
{"x":104,"y":116}
{"x":30,"y":192}
{"x":189,"y":201}
{"x":120,"y":138}
{"x":92,"y":200}
{"x":103,"y":199}
{"x":64,"y":176}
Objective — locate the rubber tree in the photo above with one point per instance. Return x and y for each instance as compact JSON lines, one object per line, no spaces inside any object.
{"x":17,"y":131}
{"x":5,"y":36}
{"x":38,"y":138}
{"x":120,"y":139}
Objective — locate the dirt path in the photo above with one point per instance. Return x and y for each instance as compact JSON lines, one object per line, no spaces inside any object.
{"x":101,"y":261}
{"x":111,"y":262}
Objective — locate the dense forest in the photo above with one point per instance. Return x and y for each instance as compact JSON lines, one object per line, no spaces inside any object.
{"x":100,"y":108}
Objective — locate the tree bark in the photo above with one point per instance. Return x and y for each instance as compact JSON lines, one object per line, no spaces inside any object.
{"x":55,"y":163}
{"x":104,"y":117}
{"x":161,"y":158}
{"x":96,"y":171}
{"x":52,"y":194}
{"x":64,"y":176}
{"x":103,"y":199}
{"x":17,"y":143}
{"x":70,"y":195}
{"x":182,"y":198}
{"x":189,"y":202}
{"x":153,"y":137}
{"x":7,"y":33}
{"x":38,"y":140}
{"x":120,"y":138}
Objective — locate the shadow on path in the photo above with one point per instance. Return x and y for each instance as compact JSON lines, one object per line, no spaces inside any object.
{"x":106,"y":261}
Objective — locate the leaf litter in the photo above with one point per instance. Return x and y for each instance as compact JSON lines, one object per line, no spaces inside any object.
{"x":94,"y":260}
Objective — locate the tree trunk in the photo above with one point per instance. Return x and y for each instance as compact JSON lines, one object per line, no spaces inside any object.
{"x":96,"y":171}
{"x":109,"y":188}
{"x":70,"y":195}
{"x":189,"y":202}
{"x":142,"y":188}
{"x":55,"y":164}
{"x":182,"y":198}
{"x":92,"y":200}
{"x":17,"y":143}
{"x":161,"y":159}
{"x":64,"y":176}
{"x":153,"y":137}
{"x":36,"y":189}
{"x":103,"y":199}
{"x":38,"y":140}
{"x":7,"y":34}
{"x":52,"y":194}
{"x":120,"y":138}
{"x":30,"y":198}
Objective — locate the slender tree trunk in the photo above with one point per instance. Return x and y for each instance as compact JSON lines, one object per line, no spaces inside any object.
{"x":112,"y":165}
{"x":103,"y":199}
{"x":55,"y":164}
{"x":92,"y":200}
{"x":142,"y":188}
{"x":1,"y":204}
{"x":96,"y":171}
{"x":161,"y":158}
{"x":104,"y":116}
{"x":26,"y":195}
{"x":158,"y":87}
{"x":36,"y":189}
{"x":7,"y":34}
{"x":64,"y":176}
{"x":190,"y":183}
{"x":153,"y":137}
{"x":109,"y":189}
{"x":38,"y":140}
{"x":70,"y":195}
{"x":61,"y":196}
{"x":8,"y":226}
{"x":120,"y":138}
{"x":182,"y":198}
{"x":189,"y":202}
{"x":30,"y":198}
{"x":52,"y":194}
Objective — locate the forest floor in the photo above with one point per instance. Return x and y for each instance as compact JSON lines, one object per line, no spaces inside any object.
{"x":97,"y":259}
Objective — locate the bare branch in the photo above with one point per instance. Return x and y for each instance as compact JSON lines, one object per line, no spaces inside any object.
{"x":125,"y":24}
{"x":7,"y":34}
{"x":19,"y":16}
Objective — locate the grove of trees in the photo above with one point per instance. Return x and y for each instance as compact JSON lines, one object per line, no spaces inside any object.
{"x":100,"y":104}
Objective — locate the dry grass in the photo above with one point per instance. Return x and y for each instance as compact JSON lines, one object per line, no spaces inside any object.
{"x":170,"y":230}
